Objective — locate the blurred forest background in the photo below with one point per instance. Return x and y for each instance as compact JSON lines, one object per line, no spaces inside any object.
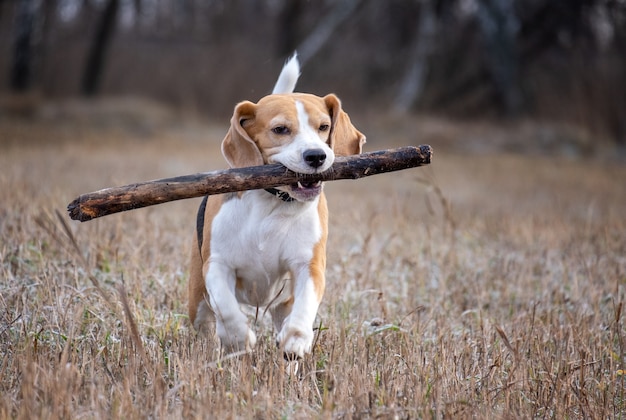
{"x":561,"y":61}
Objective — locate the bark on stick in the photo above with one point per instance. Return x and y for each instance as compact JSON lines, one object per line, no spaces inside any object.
{"x":117,"y":199}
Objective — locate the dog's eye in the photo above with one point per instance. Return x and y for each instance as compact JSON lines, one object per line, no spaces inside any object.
{"x":324,"y":127}
{"x":281,"y":130}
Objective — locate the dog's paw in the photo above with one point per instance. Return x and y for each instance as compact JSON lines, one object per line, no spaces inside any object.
{"x":237,"y":339}
{"x":204,"y":323}
{"x":294,"y":342}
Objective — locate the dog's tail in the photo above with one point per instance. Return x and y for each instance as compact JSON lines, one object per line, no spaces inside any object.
{"x":288,"y":77}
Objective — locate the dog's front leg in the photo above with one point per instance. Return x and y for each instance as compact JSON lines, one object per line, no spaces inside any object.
{"x":296,"y":334}
{"x":232,"y":324}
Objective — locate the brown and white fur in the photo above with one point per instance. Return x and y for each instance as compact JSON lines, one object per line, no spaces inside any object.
{"x":265,"y":248}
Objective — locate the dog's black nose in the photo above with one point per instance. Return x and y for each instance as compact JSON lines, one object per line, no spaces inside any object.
{"x":314,"y":157}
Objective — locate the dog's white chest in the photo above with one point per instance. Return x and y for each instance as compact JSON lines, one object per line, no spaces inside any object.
{"x":261,"y":240}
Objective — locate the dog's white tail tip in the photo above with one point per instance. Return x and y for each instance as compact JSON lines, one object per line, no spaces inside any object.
{"x":288,"y":77}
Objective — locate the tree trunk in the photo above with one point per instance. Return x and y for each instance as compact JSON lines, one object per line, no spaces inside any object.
{"x":417,"y":68}
{"x":21,"y":70}
{"x":322,"y":32}
{"x":96,"y":58}
{"x":289,"y":24}
{"x":499,"y":26}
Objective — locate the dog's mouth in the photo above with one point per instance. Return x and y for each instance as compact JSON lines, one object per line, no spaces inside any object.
{"x":306,"y":185}
{"x":305,"y":191}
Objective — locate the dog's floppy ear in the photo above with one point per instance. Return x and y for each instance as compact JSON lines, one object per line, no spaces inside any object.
{"x":238,"y":148}
{"x":345,"y":139}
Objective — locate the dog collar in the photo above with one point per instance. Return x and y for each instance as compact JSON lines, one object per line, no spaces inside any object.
{"x":280,"y":194}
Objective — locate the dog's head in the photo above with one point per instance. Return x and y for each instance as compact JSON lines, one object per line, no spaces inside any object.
{"x":301,"y":131}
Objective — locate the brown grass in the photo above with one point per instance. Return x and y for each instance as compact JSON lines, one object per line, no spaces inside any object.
{"x":488,"y":286}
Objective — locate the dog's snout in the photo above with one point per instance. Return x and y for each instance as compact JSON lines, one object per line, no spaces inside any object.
{"x":314,"y":157}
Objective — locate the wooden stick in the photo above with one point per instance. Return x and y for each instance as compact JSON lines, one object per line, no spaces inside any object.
{"x":113,"y":200}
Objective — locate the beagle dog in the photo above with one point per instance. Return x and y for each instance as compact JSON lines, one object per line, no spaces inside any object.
{"x":267,"y":248}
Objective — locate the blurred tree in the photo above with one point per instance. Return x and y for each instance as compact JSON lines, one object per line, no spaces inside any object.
{"x":96,"y":57}
{"x":288,"y":21}
{"x":555,"y":25}
{"x":423,"y":45}
{"x":615,"y":41}
{"x":325,"y":28}
{"x":21,"y":70}
{"x":562,"y":60}
{"x":499,"y":25}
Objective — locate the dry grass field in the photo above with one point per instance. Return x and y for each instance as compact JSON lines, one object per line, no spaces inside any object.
{"x":487,"y":285}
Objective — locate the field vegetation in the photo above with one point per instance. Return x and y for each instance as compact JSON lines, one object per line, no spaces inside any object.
{"x":487,"y":285}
